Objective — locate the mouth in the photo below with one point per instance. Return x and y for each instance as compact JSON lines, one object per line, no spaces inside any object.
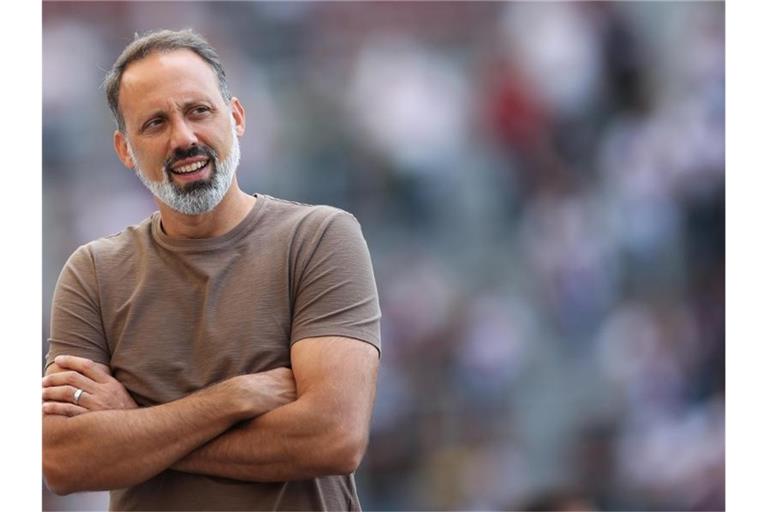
{"x":192,"y":172}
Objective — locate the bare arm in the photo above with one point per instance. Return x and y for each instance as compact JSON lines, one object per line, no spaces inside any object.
{"x":110,"y":449}
{"x":325,"y":431}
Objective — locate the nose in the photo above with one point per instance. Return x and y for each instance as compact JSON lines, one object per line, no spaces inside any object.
{"x":182,"y":135}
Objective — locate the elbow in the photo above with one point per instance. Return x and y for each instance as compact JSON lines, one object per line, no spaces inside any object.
{"x":349,"y":451}
{"x":57,"y":487}
{"x":350,"y":462}
{"x":56,"y":475}
{"x":57,"y":478}
{"x":60,"y":474}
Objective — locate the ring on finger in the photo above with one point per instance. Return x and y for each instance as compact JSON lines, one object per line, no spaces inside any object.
{"x":77,"y":395}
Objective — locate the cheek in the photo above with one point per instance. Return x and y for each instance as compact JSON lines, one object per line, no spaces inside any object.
{"x":220,"y":140}
{"x":150,"y":160}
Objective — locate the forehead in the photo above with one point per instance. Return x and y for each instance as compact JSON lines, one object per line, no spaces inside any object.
{"x":162,"y":78}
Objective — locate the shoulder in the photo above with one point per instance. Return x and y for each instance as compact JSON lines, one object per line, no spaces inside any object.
{"x":117,"y":246}
{"x":303,"y":218}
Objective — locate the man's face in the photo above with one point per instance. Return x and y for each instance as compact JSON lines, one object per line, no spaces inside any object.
{"x":181,"y":136}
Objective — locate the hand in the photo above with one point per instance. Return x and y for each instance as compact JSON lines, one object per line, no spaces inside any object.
{"x":101,"y":391}
{"x":268,"y":390}
{"x":278,"y":387}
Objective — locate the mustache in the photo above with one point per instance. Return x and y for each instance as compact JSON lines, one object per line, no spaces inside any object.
{"x":182,"y":153}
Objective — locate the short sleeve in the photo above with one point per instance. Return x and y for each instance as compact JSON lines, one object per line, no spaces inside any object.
{"x":336,"y":290}
{"x":76,"y":325}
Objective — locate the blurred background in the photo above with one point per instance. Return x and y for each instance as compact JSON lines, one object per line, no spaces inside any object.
{"x":541,"y":186}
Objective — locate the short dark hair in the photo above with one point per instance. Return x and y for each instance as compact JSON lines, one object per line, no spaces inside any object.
{"x":160,"y":41}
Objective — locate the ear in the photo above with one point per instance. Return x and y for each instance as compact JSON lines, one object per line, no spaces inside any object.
{"x":121,"y":148}
{"x":238,"y":113}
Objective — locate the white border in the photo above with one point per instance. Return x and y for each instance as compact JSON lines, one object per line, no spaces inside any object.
{"x":20,"y":133}
{"x":746,"y":253}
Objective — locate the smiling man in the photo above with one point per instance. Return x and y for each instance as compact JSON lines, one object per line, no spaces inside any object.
{"x":222,"y":354}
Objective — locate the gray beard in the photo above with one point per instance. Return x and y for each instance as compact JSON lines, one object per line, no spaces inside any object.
{"x":202,"y":198}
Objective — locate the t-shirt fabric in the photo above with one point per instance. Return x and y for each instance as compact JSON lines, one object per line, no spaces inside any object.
{"x":172,"y":316}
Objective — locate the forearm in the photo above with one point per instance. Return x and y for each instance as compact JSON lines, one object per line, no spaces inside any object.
{"x":119,"y":448}
{"x":292,"y":442}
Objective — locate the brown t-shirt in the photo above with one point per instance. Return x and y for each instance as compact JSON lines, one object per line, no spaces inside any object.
{"x":172,"y":316}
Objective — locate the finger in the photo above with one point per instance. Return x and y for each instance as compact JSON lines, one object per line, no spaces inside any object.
{"x":84,"y":366}
{"x":62,"y":409}
{"x":65,"y":394}
{"x":70,"y":378}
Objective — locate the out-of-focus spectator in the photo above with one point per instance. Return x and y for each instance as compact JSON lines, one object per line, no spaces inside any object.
{"x":558,"y":500}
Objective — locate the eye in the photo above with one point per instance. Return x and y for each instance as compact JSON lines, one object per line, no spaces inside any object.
{"x":152,"y":123}
{"x":200,"y":110}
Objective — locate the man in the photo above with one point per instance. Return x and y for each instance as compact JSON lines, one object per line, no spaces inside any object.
{"x":168,"y":377}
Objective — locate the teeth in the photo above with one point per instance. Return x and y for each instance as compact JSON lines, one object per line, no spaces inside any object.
{"x":191,"y":167}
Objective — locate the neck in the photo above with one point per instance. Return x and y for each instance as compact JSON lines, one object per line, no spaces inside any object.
{"x":232,"y":209}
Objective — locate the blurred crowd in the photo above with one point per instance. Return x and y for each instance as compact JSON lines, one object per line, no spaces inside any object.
{"x":541,"y":186}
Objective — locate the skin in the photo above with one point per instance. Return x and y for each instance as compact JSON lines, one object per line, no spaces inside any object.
{"x":112,"y":448}
{"x":271,"y":426}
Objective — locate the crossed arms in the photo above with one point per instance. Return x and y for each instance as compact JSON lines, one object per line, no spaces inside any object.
{"x":248,"y":427}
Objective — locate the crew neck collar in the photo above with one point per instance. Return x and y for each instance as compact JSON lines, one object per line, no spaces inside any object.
{"x":210,"y":243}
